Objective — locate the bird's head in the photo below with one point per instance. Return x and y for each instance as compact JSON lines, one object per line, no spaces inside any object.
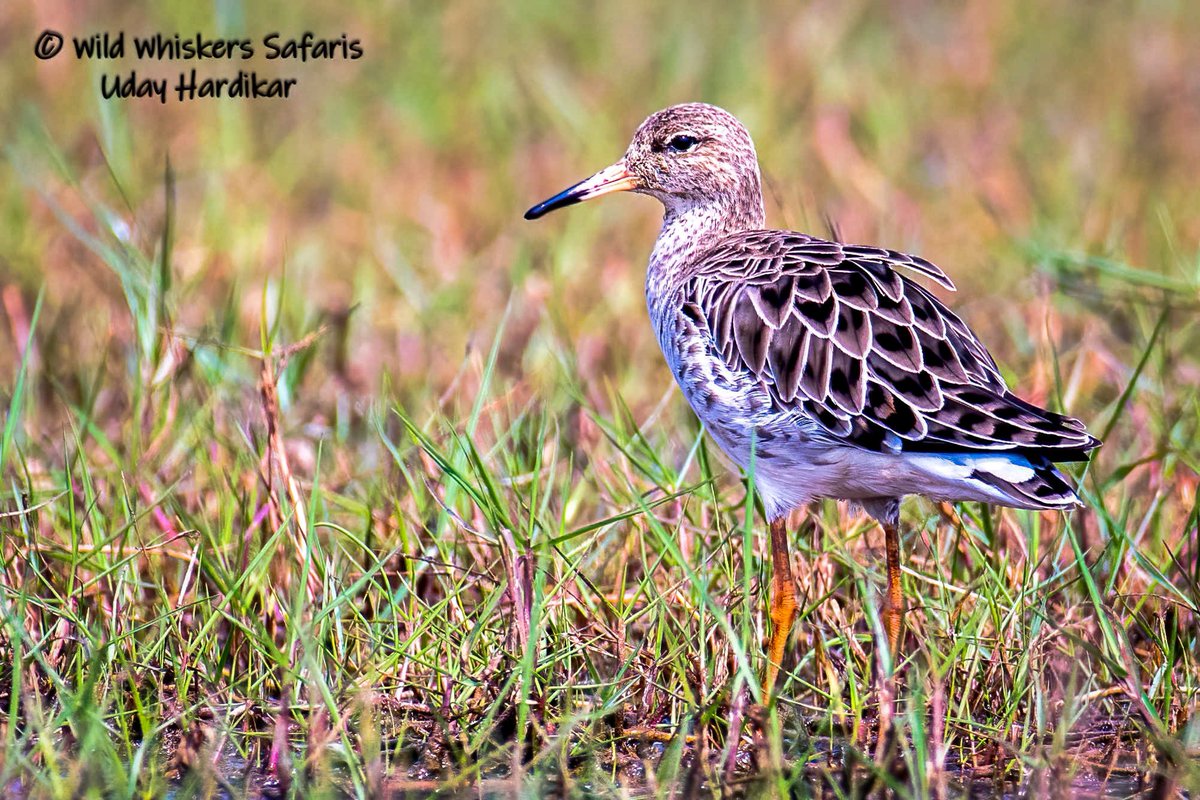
{"x":687,"y":155}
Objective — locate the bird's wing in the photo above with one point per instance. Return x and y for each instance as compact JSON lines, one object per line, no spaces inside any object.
{"x":837,"y":333}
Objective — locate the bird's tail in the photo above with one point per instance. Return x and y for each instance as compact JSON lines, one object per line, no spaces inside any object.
{"x":1042,"y":486}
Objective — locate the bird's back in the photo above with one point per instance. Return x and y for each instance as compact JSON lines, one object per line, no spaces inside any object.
{"x":816,"y":348}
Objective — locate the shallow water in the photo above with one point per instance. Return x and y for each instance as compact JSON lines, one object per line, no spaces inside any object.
{"x":824,"y":778}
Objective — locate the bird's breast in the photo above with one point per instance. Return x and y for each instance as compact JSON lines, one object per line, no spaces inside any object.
{"x":732,"y":403}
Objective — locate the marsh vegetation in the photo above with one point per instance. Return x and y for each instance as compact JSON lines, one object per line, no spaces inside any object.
{"x":322,"y":473}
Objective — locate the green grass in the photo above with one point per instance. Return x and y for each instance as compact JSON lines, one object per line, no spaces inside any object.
{"x":319,"y":466}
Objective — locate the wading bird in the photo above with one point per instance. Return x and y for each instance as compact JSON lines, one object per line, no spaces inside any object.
{"x":822,"y":368}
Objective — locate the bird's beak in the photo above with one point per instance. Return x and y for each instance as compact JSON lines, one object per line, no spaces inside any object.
{"x":616,"y":178}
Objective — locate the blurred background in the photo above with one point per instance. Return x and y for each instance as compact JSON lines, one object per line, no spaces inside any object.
{"x":384,"y":198}
{"x":1044,"y":154}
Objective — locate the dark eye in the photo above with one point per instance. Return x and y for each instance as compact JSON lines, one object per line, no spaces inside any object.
{"x":682,"y":143}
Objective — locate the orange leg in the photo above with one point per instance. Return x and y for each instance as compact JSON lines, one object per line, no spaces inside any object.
{"x":782,"y":603}
{"x":893,"y":601}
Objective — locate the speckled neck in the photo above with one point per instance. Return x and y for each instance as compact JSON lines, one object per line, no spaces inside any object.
{"x":691,"y":227}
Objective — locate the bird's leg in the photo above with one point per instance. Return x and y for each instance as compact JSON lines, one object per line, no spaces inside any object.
{"x":892,"y":616}
{"x":952,"y":516}
{"x":893,"y":601}
{"x":782,"y":602}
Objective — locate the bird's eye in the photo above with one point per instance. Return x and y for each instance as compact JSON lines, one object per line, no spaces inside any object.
{"x":682,"y":143}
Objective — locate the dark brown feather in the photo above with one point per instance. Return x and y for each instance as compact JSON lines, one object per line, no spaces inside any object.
{"x":838,"y":333}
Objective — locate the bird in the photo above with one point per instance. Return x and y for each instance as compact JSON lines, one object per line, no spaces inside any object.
{"x":822,"y":369}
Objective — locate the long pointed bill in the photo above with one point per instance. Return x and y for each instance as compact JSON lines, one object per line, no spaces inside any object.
{"x":608,"y":180}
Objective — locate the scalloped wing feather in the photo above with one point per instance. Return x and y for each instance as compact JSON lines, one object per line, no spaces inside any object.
{"x":837,"y":333}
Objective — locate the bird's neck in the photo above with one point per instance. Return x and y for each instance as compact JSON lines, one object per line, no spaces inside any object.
{"x":690,"y":228}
